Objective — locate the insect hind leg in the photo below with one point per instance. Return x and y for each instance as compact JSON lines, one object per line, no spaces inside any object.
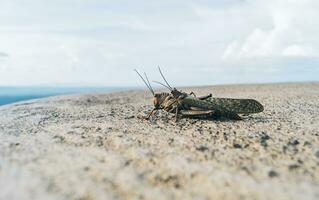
{"x":197,"y":113}
{"x":201,"y":97}
{"x":205,"y":97}
{"x":192,"y":93}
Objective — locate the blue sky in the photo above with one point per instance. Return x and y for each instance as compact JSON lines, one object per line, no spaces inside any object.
{"x":100,"y":42}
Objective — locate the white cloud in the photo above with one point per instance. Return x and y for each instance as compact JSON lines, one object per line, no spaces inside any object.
{"x":3,"y":54}
{"x":100,"y":42}
{"x":292,"y":32}
{"x":298,"y":50}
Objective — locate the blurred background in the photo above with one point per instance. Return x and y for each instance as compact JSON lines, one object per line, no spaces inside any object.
{"x":98,"y":43}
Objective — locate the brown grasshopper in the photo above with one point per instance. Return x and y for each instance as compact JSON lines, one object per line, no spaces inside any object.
{"x":188,"y":105}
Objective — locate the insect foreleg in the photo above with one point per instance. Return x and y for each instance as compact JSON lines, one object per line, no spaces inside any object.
{"x":154,"y":111}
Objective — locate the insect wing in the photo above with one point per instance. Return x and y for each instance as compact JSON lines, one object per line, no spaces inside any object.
{"x":240,"y":106}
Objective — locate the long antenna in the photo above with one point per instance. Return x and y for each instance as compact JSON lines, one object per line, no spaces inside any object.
{"x":148,"y":82}
{"x":149,"y":86}
{"x":164,"y":78}
{"x":163,"y":85}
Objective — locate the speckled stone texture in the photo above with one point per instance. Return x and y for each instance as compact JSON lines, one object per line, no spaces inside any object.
{"x":95,"y":147}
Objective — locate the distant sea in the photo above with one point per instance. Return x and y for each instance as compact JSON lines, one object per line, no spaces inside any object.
{"x":15,"y":94}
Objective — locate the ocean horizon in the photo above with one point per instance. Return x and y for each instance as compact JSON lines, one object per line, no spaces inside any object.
{"x":9,"y":95}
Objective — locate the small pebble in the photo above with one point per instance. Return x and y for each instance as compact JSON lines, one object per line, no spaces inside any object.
{"x":272,"y":174}
{"x":237,"y":146}
{"x":202,"y":148}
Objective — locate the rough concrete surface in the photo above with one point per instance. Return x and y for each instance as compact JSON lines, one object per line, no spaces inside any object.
{"x":94,"y":146}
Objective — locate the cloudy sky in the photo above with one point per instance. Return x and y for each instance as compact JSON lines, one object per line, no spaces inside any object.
{"x":199,"y":42}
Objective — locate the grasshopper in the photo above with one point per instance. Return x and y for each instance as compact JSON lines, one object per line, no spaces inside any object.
{"x":188,"y":105}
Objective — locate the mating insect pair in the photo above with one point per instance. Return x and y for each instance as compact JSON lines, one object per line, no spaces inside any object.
{"x":188,"y":105}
